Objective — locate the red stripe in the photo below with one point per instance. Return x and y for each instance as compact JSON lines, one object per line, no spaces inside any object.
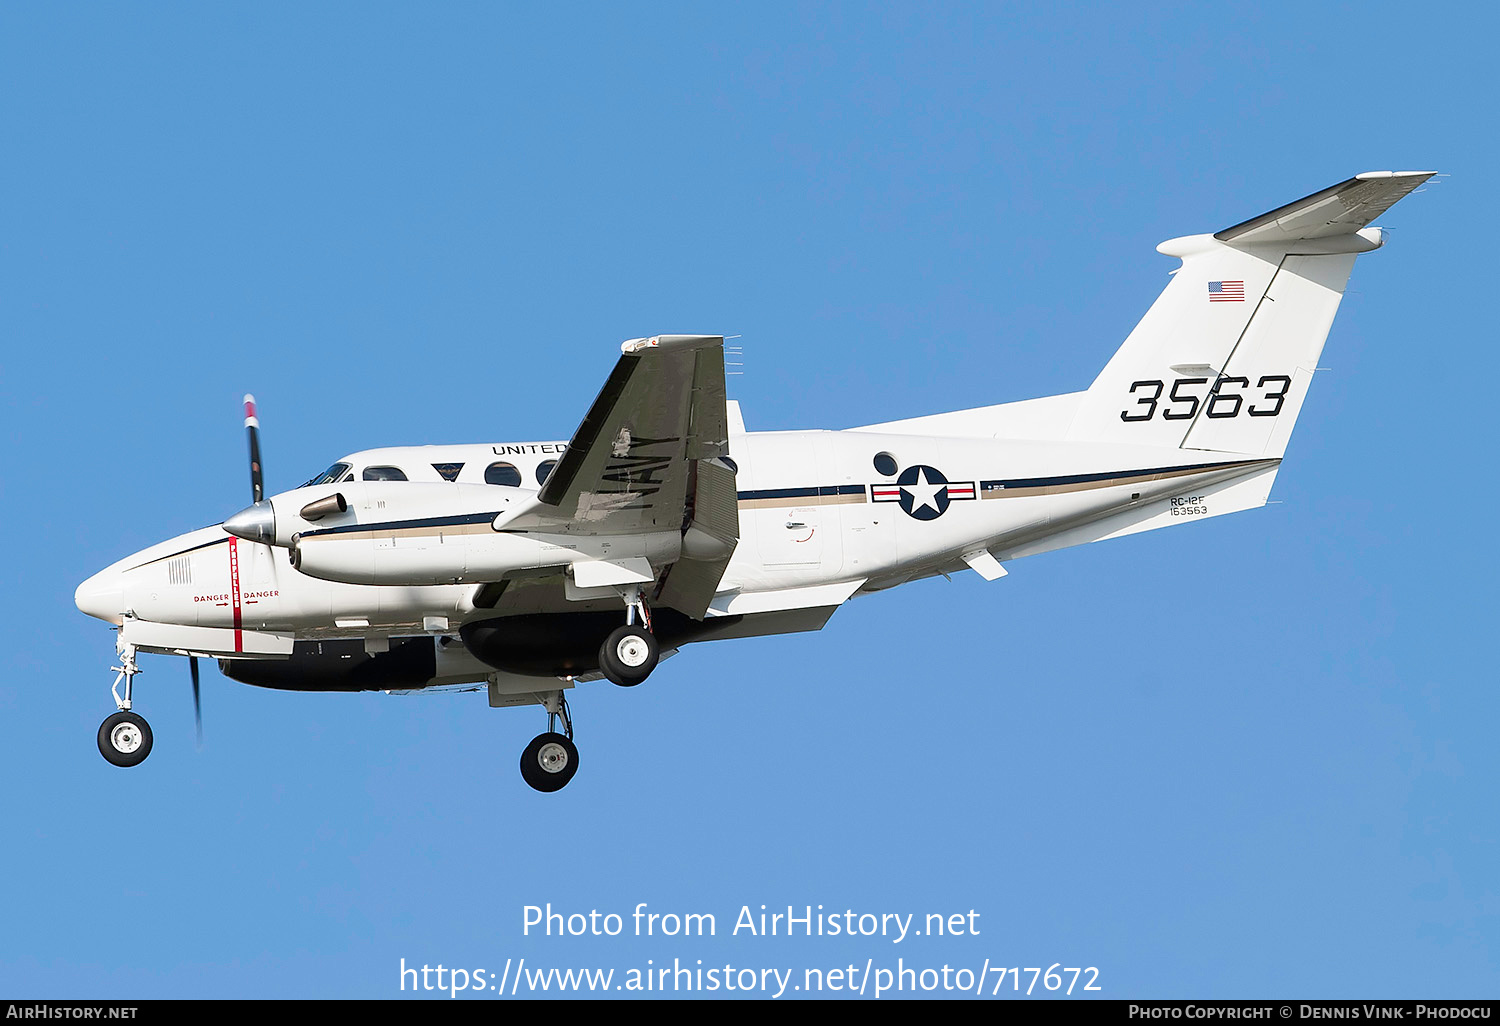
{"x":234,"y":590}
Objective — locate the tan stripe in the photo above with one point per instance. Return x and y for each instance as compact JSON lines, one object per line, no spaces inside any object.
{"x":1113,"y":482}
{"x":802,"y":500}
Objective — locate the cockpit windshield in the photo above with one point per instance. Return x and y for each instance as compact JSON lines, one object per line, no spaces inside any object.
{"x":329,"y":476}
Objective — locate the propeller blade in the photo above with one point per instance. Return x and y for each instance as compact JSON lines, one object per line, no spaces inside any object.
{"x":252,"y":428}
{"x":197,"y":705}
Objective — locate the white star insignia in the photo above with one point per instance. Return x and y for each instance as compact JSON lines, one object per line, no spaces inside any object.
{"x":923,"y":492}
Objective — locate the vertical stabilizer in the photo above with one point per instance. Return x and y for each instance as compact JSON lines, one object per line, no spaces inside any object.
{"x":1224,"y":357}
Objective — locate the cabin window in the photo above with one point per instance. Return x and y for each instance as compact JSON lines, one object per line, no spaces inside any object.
{"x":885,"y":464}
{"x":502,"y":474}
{"x":384,"y":474}
{"x":543,"y":469}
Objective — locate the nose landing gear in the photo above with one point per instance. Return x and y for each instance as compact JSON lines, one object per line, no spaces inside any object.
{"x":124,"y":738}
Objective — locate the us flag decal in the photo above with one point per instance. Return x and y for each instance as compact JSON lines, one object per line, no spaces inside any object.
{"x":1226,"y":292}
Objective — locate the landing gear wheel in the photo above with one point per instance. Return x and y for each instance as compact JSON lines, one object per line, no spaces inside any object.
{"x":549,"y":762}
{"x":125,"y":739}
{"x":628,"y":656}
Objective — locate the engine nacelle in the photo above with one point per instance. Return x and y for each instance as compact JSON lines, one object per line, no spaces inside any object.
{"x":455,"y":556}
{"x":401,"y":533}
{"x":324,"y":510}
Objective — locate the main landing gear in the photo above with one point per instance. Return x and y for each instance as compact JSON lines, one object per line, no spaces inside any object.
{"x":627,"y":657}
{"x":550,"y":761}
{"x":630,"y":653}
{"x":125,"y":738}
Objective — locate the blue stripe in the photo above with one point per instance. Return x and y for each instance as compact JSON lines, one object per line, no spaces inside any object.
{"x":803,"y":493}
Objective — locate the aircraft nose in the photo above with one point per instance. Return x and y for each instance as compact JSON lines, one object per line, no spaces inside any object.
{"x":102,"y":595}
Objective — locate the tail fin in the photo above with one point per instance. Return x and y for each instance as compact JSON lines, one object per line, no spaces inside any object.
{"x":1223,"y":358}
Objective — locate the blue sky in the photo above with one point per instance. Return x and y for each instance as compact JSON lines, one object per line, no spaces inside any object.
{"x":1250,"y":757}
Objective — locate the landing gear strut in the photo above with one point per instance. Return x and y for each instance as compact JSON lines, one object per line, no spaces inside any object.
{"x":630,"y":653}
{"x":124,"y":738}
{"x":550,"y":761}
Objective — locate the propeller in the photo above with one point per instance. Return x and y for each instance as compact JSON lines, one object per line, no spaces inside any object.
{"x":197,"y":704}
{"x":257,"y":521}
{"x":252,"y":428}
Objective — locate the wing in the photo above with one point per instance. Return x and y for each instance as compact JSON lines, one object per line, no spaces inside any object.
{"x":647,"y":458}
{"x":627,"y":468}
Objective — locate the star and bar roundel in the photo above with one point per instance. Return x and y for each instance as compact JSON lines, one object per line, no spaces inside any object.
{"x":924,"y":493}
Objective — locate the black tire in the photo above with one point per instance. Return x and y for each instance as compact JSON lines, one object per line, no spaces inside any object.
{"x":544,"y":766}
{"x":628,"y":656}
{"x":125,"y":739}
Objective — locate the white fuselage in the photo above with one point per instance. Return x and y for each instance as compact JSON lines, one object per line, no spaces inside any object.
{"x":814,"y":512}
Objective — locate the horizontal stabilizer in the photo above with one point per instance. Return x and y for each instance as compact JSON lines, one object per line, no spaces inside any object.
{"x":1340,"y":209}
